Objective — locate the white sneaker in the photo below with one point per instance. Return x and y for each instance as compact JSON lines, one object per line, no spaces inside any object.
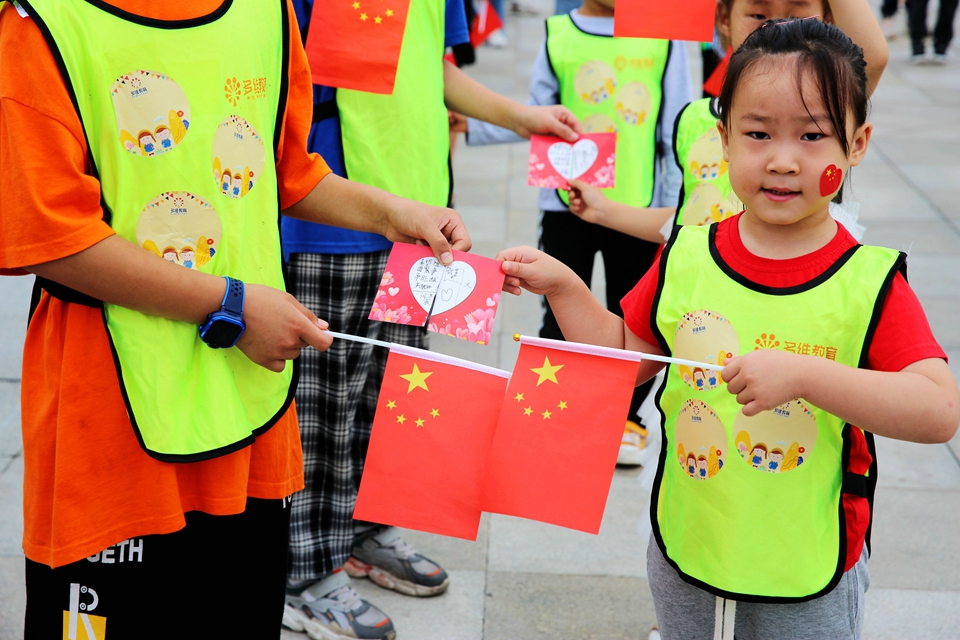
{"x":919,"y":59}
{"x":889,"y":28}
{"x":498,"y":40}
{"x":938,"y":59}
{"x":654,"y":634}
{"x":632,"y":445}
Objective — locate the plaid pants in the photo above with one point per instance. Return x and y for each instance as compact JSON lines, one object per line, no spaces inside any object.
{"x":336,"y":402}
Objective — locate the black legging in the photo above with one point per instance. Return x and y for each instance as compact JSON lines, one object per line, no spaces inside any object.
{"x":942,"y":33}
{"x":625,"y":259}
{"x":889,"y":8}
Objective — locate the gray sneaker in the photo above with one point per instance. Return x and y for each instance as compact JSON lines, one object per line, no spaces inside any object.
{"x":330,"y":609}
{"x":390,"y":562}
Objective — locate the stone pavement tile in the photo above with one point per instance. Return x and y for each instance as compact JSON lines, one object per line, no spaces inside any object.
{"x":10,"y":435}
{"x":453,"y":554}
{"x":11,"y":506}
{"x":15,"y":293}
{"x":898,"y":614}
{"x":912,"y":152}
{"x":531,"y":606}
{"x":942,"y":314}
{"x":908,"y":465}
{"x":935,"y":275}
{"x":13,"y":597}
{"x":485,"y":223}
{"x":518,"y":545}
{"x":454,"y":615}
{"x":945,"y":200}
{"x":928,"y":175}
{"x":916,"y":539}
{"x":915,"y":237}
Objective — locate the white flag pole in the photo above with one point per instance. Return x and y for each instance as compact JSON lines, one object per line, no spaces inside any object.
{"x":580,"y":347}
{"x":347,"y":336}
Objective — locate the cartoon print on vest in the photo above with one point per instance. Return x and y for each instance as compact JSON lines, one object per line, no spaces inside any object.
{"x":707,"y":205}
{"x":238,"y":157}
{"x":153,"y":114}
{"x":595,"y":81}
{"x":706,"y":157}
{"x":777,"y":441}
{"x":633,"y":103}
{"x":598,"y":123}
{"x":701,"y":440}
{"x":704,"y":336}
{"x":180,"y":228}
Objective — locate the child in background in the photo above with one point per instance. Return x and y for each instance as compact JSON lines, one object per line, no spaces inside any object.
{"x":706,"y":196}
{"x":634,"y":87}
{"x":793,"y":120}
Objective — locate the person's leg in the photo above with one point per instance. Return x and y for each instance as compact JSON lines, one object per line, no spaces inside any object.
{"x":889,"y":8}
{"x":918,"y":25}
{"x":338,"y":289}
{"x":684,"y":612}
{"x":943,"y":32}
{"x":571,"y":241}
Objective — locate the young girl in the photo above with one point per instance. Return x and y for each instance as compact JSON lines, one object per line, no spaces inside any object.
{"x":706,"y":194}
{"x":826,"y":335}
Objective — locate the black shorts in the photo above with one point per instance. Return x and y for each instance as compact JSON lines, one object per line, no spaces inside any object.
{"x":218,"y":577}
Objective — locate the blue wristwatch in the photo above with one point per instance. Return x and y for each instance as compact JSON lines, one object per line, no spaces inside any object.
{"x":224,"y":327}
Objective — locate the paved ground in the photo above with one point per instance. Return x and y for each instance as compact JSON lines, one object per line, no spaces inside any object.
{"x":531,"y":581}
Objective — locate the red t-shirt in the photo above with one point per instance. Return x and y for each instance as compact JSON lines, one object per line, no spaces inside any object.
{"x":902,"y":337}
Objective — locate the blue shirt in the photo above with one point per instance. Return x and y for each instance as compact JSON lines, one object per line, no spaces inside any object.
{"x":308,"y":237}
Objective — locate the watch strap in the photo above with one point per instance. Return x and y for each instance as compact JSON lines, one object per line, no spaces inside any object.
{"x":233,"y":297}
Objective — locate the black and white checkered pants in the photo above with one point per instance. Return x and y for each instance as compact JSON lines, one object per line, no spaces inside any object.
{"x":336,"y":401}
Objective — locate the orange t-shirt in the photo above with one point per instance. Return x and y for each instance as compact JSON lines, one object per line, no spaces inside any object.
{"x":88,"y":484}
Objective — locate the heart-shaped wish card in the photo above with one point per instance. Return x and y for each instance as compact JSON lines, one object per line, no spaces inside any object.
{"x":459,"y":300}
{"x":554,"y":161}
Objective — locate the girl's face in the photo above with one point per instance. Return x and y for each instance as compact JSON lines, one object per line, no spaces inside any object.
{"x":746,"y":15}
{"x":786,"y":161}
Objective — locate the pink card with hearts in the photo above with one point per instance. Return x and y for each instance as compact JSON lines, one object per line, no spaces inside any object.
{"x":553,"y":161}
{"x":463,"y":297}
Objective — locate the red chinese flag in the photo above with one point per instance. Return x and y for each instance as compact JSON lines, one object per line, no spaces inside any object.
{"x":485,"y":22}
{"x":559,"y":433}
{"x":428,"y":449}
{"x":673,"y":20}
{"x":355,"y":44}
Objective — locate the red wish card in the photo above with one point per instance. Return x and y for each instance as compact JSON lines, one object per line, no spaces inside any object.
{"x":355,"y":44}
{"x":459,"y":300}
{"x":553,"y":161}
{"x":675,"y":20}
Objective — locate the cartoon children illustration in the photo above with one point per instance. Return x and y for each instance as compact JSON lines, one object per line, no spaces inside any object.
{"x":225,"y":180}
{"x":164,"y":137}
{"x":237,"y":185}
{"x":712,"y":377}
{"x":148,"y":144}
{"x":692,"y":465}
{"x":187,"y":257}
{"x":170,"y":255}
{"x":743,"y":444}
{"x":595,"y":81}
{"x":698,"y":378}
{"x":702,"y":467}
{"x":776,"y":458}
{"x":759,"y":455}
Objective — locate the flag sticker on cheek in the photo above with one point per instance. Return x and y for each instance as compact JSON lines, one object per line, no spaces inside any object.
{"x":830,"y":180}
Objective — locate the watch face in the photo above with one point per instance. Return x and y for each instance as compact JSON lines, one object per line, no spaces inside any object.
{"x":222,"y":333}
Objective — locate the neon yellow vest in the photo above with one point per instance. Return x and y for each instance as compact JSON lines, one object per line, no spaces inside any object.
{"x":401,"y":142}
{"x":182,"y":120}
{"x":613,"y":85}
{"x":707,"y":196}
{"x":750,"y":508}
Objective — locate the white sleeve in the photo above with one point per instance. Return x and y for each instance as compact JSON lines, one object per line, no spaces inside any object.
{"x":677,"y":93}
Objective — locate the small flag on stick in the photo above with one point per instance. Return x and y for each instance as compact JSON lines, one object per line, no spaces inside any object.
{"x":674,"y":20}
{"x":428,"y":449}
{"x":355,"y":44}
{"x":559,"y":433}
{"x":485,"y":22}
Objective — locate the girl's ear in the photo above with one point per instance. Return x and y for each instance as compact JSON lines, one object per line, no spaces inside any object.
{"x":859,"y":144}
{"x":724,"y":139}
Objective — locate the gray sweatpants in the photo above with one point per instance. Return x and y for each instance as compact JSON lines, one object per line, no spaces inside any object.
{"x":686,"y":612}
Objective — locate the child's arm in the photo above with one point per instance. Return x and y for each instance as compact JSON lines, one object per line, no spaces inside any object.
{"x":465,"y":95}
{"x":920,"y":403}
{"x":580,"y":315}
{"x":591,"y":205}
{"x":857,"y":19}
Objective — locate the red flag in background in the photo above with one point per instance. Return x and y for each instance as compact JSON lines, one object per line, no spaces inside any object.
{"x":559,"y":433}
{"x":666,"y":20}
{"x":428,"y":449}
{"x":485,"y":22}
{"x":355,"y":44}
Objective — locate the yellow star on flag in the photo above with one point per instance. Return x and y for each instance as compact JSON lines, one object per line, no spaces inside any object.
{"x":401,"y":419}
{"x":378,"y":19}
{"x":389,"y":12}
{"x":419,"y":422}
{"x":391,"y":404}
{"x":546,"y":415}
{"x":363,"y":17}
{"x":562,"y":405}
{"x":547,"y":372}
{"x":528,"y":411}
{"x":416,"y":378}
{"x":434,"y":413}
{"x":356,"y":5}
{"x":518,"y":397}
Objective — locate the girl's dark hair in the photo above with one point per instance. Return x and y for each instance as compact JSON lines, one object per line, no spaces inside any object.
{"x":831,"y":58}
